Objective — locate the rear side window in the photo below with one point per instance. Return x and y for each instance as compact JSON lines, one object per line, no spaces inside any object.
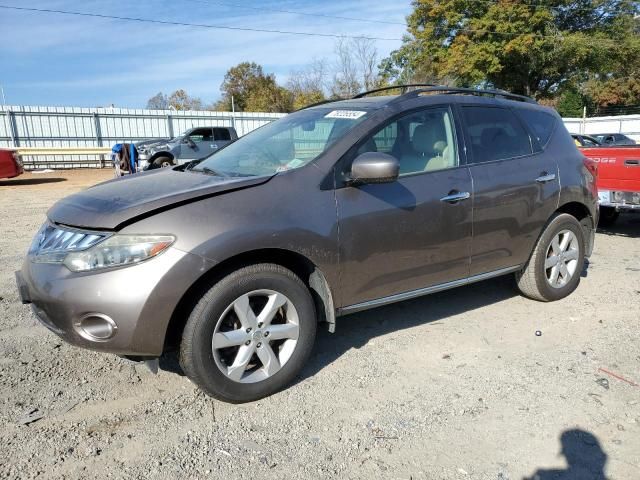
{"x":221,"y":134}
{"x":495,"y":133}
{"x":540,"y":123}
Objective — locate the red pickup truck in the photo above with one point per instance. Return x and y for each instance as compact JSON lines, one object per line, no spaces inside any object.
{"x":618,"y":177}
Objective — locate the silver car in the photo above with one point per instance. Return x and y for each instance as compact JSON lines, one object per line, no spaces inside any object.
{"x":194,"y":144}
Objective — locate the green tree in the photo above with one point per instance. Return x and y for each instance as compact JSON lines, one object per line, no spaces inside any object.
{"x":570,"y":104}
{"x":532,"y":48}
{"x":253,"y":91}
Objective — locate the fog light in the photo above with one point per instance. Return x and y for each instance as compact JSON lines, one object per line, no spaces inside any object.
{"x":96,"y":327}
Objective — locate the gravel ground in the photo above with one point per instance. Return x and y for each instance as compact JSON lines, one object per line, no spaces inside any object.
{"x":456,"y":385}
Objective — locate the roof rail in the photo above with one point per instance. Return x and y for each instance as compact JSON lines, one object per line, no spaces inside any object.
{"x":429,"y":88}
{"x":394,"y":87}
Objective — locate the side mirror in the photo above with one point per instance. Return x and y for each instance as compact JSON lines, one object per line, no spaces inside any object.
{"x":374,"y":167}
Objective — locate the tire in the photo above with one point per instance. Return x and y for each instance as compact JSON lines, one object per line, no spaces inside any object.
{"x":219,"y":371}
{"x":163,"y":162}
{"x":536,"y":280}
{"x":608,"y":216}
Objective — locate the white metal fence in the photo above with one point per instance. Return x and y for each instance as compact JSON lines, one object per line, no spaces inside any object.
{"x":627,"y":124}
{"x":24,"y":126}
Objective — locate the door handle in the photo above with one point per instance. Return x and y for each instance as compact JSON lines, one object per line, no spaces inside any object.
{"x":546,"y":177}
{"x":454,"y":196}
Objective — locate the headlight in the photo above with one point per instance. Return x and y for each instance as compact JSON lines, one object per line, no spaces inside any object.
{"x":118,"y":250}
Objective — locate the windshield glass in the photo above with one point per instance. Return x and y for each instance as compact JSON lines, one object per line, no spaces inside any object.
{"x":288,"y":143}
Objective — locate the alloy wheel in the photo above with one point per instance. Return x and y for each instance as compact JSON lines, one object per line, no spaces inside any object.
{"x":562,"y":259}
{"x":255,"y":336}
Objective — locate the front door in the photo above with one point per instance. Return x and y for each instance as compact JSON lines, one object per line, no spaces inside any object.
{"x":415,"y":232}
{"x":198,"y":144}
{"x":515,"y":187}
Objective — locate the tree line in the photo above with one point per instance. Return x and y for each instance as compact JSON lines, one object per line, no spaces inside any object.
{"x":248,"y":88}
{"x":565,"y":53}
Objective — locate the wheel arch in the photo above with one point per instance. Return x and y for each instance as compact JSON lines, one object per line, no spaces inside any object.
{"x":161,"y":154}
{"x":304,"y":268}
{"x":582,"y":213}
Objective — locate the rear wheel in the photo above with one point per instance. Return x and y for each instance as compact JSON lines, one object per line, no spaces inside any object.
{"x":162,"y":162}
{"x":608,"y":216}
{"x":554,"y":268}
{"x":250,"y":334}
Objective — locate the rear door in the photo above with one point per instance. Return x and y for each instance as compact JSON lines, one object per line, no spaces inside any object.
{"x":516,"y":186}
{"x":412,"y":233}
{"x":221,"y":137}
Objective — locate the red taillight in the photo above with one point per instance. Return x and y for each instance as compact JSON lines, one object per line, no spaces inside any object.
{"x":591,"y":166}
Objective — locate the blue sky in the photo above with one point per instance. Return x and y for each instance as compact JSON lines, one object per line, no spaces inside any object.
{"x":49,"y":59}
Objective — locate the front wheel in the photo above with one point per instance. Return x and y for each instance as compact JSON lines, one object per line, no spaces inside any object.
{"x":554,"y":268}
{"x":162,"y":162}
{"x":250,"y":334}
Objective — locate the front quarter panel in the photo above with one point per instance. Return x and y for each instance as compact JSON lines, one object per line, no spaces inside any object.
{"x":289,"y":212}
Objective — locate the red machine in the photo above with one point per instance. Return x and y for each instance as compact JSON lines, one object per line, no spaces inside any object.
{"x":10,"y":163}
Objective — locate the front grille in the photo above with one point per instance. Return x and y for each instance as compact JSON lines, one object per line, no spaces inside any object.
{"x":52,"y":239}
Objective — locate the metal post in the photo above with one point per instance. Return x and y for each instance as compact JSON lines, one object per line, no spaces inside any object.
{"x":7,"y":119}
{"x":13,"y":128}
{"x":584,"y":120}
{"x":170,"y":125}
{"x":233,"y":113}
{"x":96,"y":126}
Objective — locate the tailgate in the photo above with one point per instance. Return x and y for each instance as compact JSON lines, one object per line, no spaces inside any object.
{"x":618,"y":167}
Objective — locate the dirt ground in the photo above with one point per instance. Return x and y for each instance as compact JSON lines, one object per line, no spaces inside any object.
{"x":456,"y":385}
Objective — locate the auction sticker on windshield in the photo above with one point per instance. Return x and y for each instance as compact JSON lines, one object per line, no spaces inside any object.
{"x":347,"y":114}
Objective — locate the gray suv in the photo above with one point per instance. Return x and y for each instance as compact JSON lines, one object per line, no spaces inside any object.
{"x":194,"y":144}
{"x":333,"y":209}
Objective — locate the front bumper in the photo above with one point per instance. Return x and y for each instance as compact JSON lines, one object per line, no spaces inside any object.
{"x":619,"y":200}
{"x":140,"y":299}
{"x":143,"y":161}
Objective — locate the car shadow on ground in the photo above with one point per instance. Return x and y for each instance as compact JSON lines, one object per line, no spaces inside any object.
{"x":355,"y":330}
{"x":584,"y":455}
{"x":31,"y":181}
{"x":627,"y":225}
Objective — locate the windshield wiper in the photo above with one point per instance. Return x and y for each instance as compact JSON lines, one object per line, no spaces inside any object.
{"x":193,"y":163}
{"x":210,"y":171}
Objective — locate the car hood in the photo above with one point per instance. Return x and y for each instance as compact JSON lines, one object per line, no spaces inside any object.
{"x":119,"y":202}
{"x":151,"y":141}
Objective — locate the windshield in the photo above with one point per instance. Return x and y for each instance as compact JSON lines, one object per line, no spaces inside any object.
{"x":288,"y":143}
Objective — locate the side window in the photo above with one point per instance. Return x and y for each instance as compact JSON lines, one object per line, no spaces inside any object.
{"x":587,"y":142}
{"x":201,"y":135}
{"x":422,"y":141}
{"x":496,"y":134}
{"x":221,"y":134}
{"x":540,"y":123}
